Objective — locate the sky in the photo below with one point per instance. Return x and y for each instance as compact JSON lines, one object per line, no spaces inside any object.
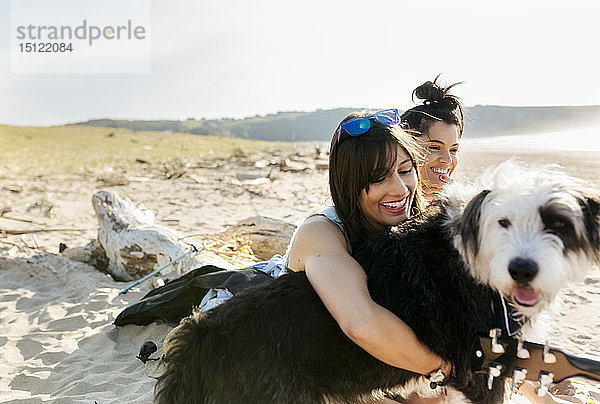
{"x":236,"y":58}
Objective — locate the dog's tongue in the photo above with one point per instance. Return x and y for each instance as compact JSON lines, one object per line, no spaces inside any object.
{"x":527,"y":296}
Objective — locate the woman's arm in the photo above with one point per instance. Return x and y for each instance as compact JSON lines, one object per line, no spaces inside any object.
{"x":341,"y":283}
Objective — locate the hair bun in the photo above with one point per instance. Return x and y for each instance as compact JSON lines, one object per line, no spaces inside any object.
{"x":439,"y":104}
{"x":429,"y":91}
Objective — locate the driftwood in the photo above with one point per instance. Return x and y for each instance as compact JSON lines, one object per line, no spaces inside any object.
{"x":266,"y":236}
{"x":322,"y":164}
{"x":130,"y":245}
{"x":18,"y":232}
{"x":16,"y":219}
{"x":92,"y":254}
{"x":133,"y":244}
{"x":294,"y":165}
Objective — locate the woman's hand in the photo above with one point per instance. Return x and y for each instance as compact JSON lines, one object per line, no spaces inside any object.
{"x":564,"y":388}
{"x":528,"y":390}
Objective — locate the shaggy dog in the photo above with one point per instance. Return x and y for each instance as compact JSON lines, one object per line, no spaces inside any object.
{"x":446,"y":273}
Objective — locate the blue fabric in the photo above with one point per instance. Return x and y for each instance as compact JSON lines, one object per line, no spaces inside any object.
{"x":273,"y":267}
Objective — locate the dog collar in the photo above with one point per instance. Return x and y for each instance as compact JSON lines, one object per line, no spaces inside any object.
{"x":504,"y":317}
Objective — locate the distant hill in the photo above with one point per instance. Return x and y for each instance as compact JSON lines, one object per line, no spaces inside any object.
{"x":481,"y":121}
{"x":491,"y":120}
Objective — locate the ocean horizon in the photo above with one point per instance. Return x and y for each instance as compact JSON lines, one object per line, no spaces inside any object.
{"x":579,"y":139}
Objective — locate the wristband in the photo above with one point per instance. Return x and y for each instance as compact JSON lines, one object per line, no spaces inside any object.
{"x":438,"y":378}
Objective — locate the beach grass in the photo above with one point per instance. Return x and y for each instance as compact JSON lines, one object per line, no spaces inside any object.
{"x":79,"y":149}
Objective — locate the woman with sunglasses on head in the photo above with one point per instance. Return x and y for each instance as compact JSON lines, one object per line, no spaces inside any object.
{"x":374,"y":185}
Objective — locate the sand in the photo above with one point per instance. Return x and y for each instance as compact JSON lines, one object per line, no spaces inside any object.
{"x":57,"y":340}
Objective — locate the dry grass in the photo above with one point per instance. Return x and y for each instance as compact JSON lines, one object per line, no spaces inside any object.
{"x":235,"y":250}
{"x":78,"y":149}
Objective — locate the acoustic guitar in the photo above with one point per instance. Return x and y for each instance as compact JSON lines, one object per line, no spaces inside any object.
{"x":508,"y":357}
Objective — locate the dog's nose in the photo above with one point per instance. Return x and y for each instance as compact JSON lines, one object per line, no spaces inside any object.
{"x":522,"y":270}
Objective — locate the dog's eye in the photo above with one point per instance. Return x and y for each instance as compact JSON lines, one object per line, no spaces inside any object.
{"x":557,"y":224}
{"x":504,"y":222}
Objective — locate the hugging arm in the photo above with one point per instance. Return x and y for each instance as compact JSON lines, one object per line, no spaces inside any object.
{"x":341,"y":284}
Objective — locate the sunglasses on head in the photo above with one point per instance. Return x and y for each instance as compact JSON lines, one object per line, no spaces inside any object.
{"x":358,"y":126}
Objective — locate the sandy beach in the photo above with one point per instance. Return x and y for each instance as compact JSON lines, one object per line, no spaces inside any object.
{"x":57,"y":340}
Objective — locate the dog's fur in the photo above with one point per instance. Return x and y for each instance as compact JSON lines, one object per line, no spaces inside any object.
{"x":440,"y":273}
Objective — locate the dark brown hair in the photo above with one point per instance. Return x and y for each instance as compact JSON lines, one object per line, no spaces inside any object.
{"x":438,"y":106}
{"x":357,"y":161}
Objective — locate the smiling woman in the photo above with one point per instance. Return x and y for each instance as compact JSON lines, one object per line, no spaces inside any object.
{"x":438,"y":125}
{"x":387,"y":201}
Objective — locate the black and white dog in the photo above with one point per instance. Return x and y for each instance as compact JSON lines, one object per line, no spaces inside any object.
{"x":444,"y":273}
